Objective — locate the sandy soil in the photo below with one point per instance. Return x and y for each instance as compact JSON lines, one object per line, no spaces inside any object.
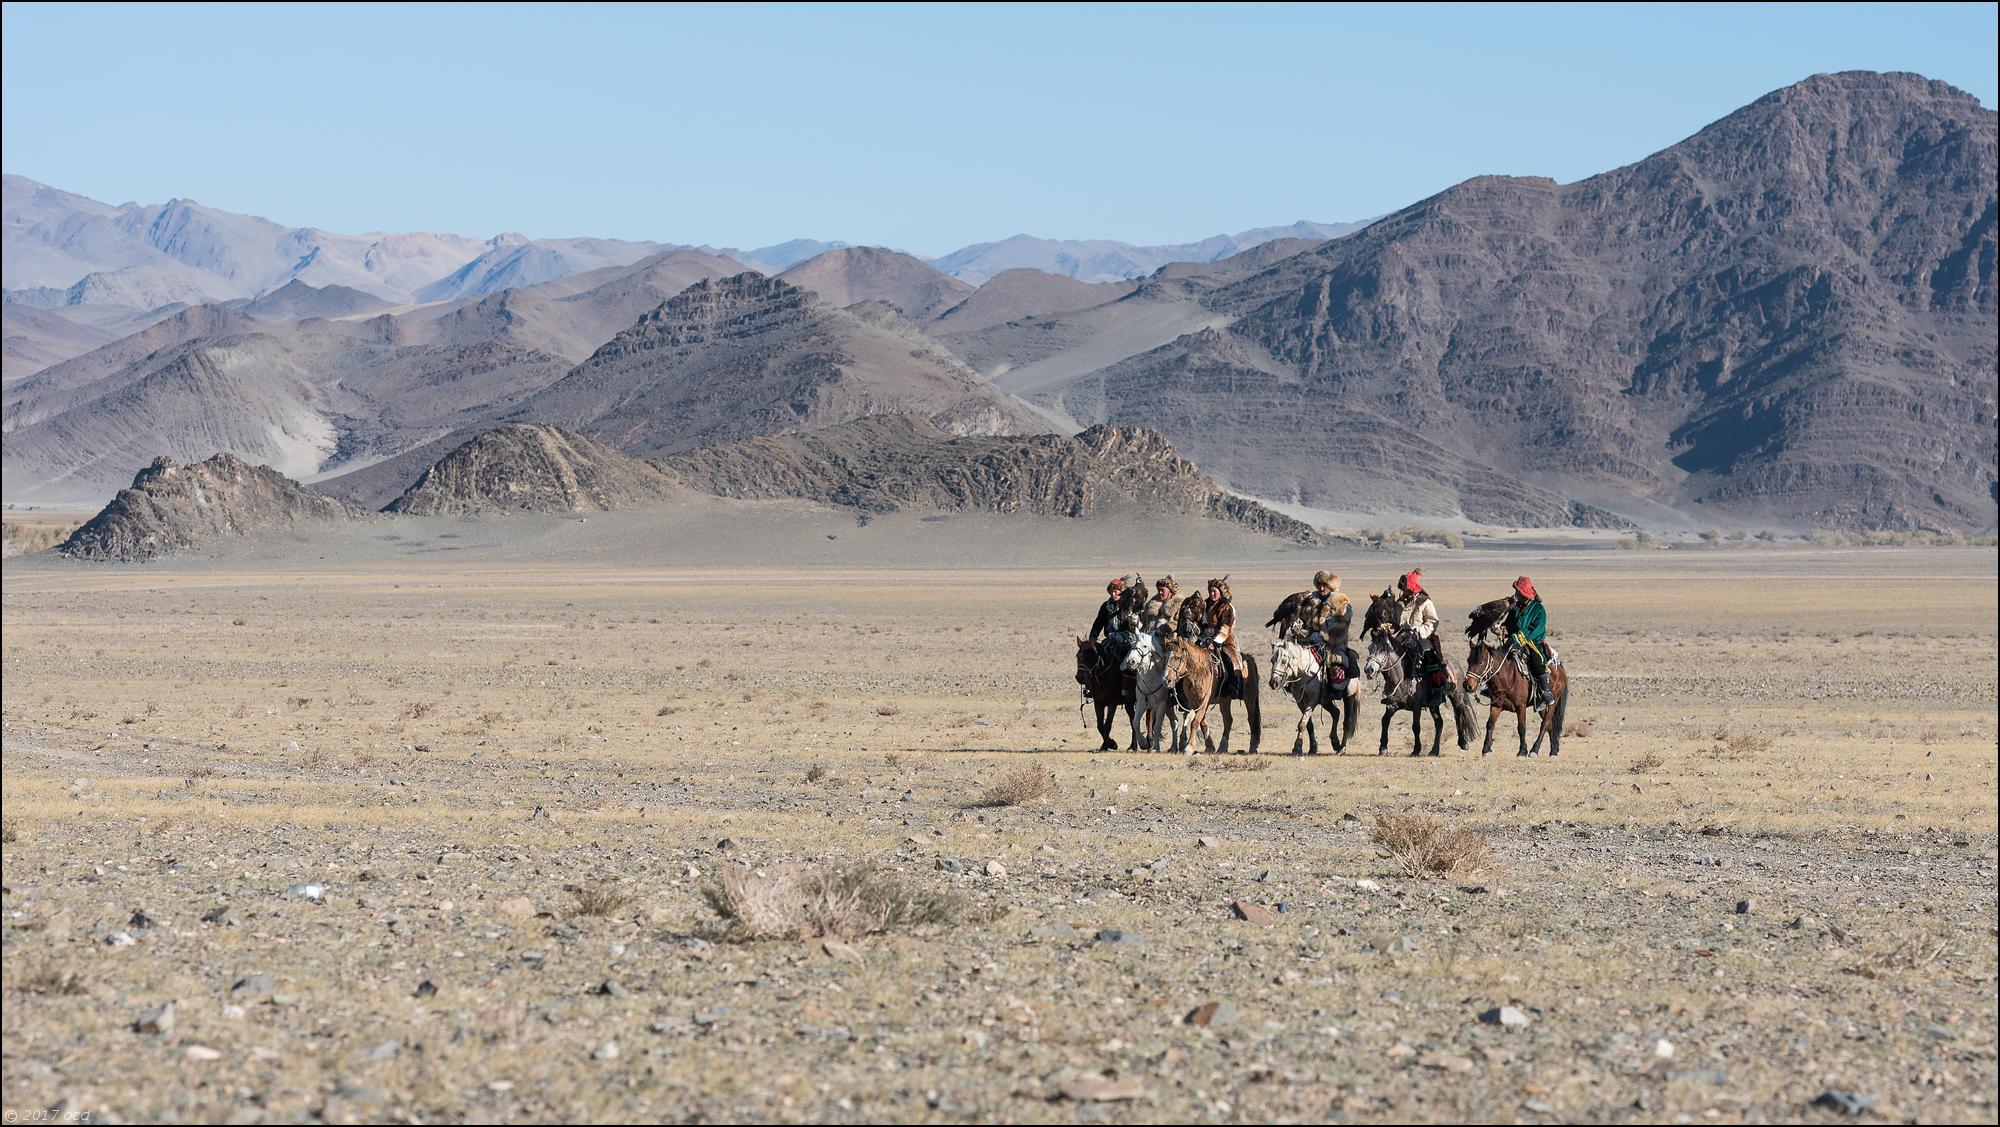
{"x":1766,"y":874}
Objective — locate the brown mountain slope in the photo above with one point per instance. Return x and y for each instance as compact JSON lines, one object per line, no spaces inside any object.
{"x":750,"y":355}
{"x":882,"y":464}
{"x":171,"y":508}
{"x":1789,"y":317}
{"x":37,"y":338}
{"x":849,"y":275}
{"x":532,"y":468}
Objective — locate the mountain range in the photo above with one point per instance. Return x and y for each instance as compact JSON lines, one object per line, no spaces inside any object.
{"x":1787,"y":319}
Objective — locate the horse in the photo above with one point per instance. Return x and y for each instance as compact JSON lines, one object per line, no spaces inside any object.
{"x":1153,"y":708}
{"x":1196,"y":676}
{"x":1409,"y":694}
{"x":1295,"y":670}
{"x":1106,"y":682}
{"x":1494,"y":671}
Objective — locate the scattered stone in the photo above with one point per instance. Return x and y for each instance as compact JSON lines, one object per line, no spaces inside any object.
{"x":606,"y":1051}
{"x":995,"y":869}
{"x":1663,"y":1049}
{"x":385,"y":1050}
{"x":117,"y":939}
{"x":949,"y":865}
{"x":425,"y":989}
{"x":221,"y":916}
{"x":1444,"y":1062}
{"x":159,"y":1019}
{"x":840,"y":952}
{"x":1120,"y":938}
{"x":141,"y":921}
{"x":1746,"y":906}
{"x":610,"y":988}
{"x":307,"y":890}
{"x":1253,"y":913}
{"x":201,"y":1053}
{"x":1507,"y":1017}
{"x":1213,"y":1015}
{"x":1846,"y":1103}
{"x":1093,"y":1087}
{"x":516,"y":908}
{"x":1206,"y":843}
{"x":257,"y":985}
{"x":726,"y":844}
{"x":668,"y":1025}
{"x":1056,"y":930}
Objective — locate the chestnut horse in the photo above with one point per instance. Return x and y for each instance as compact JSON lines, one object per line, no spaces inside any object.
{"x":1195,"y":675}
{"x":1493,"y":670}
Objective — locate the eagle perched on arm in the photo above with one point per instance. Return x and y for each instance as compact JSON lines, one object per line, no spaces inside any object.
{"x":1486,"y":616}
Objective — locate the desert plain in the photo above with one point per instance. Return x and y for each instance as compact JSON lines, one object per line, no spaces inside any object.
{"x":423,"y":823}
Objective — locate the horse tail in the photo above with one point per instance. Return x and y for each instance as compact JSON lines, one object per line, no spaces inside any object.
{"x":1461,"y":715}
{"x":1250,"y":706}
{"x":1556,"y":728}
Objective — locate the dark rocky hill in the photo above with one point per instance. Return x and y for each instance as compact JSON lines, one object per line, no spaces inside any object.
{"x":532,"y":468}
{"x":171,"y":508}
{"x":1790,"y":316}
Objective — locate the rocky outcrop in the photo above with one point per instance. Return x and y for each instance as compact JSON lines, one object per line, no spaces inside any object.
{"x":889,"y":463}
{"x":171,"y":508}
{"x":532,"y":468}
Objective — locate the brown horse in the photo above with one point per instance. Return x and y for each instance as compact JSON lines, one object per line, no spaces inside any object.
{"x":1109,"y":688}
{"x":1492,"y":670}
{"x":1195,"y":677}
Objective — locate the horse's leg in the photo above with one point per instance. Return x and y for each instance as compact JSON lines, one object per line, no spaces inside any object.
{"x":1227,"y":723}
{"x":1541,"y":730}
{"x":1521,"y":727}
{"x":1417,"y":731}
{"x":1302,"y":732}
{"x":1437,"y":729}
{"x":1492,"y":716}
{"x":1312,"y":737}
{"x":1351,"y":706}
{"x":1106,"y":714}
{"x":1387,"y":715}
{"x":1253,"y":707}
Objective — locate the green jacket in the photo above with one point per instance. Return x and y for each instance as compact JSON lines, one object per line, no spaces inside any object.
{"x":1529,"y":620}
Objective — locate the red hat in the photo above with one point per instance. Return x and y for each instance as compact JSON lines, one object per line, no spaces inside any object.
{"x":1412,"y":583}
{"x":1525,"y":587}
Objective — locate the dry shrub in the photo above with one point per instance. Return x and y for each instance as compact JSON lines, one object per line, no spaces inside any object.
{"x":886,"y":710}
{"x":816,"y":772}
{"x":599,"y":900}
{"x":9,"y":832}
{"x":844,"y":901}
{"x":48,"y":978}
{"x":1910,"y":953}
{"x":1426,"y":847}
{"x":1021,"y":785}
{"x":1647,"y":762}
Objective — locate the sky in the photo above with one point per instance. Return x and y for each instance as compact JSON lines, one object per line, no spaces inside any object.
{"x":920,"y":127}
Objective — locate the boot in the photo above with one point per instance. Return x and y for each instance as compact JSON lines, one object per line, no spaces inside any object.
{"x":1548,"y":694}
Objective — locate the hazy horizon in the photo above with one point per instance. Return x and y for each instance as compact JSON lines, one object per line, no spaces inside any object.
{"x":926,"y":130}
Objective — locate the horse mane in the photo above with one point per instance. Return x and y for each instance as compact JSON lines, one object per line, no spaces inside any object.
{"x":1485,"y":617}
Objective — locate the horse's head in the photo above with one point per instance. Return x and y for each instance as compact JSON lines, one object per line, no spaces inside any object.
{"x":1381,"y":652}
{"x":1481,"y":663}
{"x":1086,"y":661}
{"x":1287,"y":663}
{"x":1178,"y":653}
{"x":1145,"y":654}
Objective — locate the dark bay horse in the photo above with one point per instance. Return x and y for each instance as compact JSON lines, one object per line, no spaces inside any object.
{"x":1109,"y":685}
{"x":1492,"y":670}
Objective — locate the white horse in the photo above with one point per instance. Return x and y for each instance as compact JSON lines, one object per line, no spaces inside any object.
{"x":1152,"y":702}
{"x":1296,"y":670}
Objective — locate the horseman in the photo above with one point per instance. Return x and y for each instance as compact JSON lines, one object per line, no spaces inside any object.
{"x":1323,"y":623}
{"x":1158,"y":615}
{"x":1416,"y":624}
{"x":1221,"y":636}
{"x":1527,"y":623}
{"x":1192,"y":621}
{"x":1106,"y":626}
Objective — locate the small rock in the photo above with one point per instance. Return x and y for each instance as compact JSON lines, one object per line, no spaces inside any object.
{"x":841,"y":952}
{"x":385,"y":1050}
{"x":1507,"y":1017}
{"x":1253,"y":913}
{"x":949,"y":865}
{"x":995,"y":869}
{"x":201,"y":1053}
{"x":257,"y":985}
{"x":425,"y":989}
{"x":159,"y":1019}
{"x":1206,"y":843}
{"x":610,"y":988}
{"x":307,"y":890}
{"x":516,"y":907}
{"x":1056,"y":930}
{"x":1746,"y":906}
{"x":606,"y":1051}
{"x":1213,"y":1015}
{"x":668,"y":1025}
{"x":141,"y":921}
{"x":726,"y":844}
{"x":1846,"y":1103}
{"x":1444,"y":1062}
{"x":222,"y":916}
{"x":1120,"y":938}
{"x":1663,"y":1049}
{"x":117,"y":939}
{"x":1093,"y":1087}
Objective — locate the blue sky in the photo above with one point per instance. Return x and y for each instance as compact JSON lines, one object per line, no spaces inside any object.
{"x":925,"y":128}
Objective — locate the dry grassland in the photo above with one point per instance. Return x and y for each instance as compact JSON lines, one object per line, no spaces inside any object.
{"x":1811,"y":734}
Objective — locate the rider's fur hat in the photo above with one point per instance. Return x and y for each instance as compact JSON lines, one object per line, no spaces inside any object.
{"x":1168,"y":582}
{"x":1221,"y":586}
{"x":1329,"y":578}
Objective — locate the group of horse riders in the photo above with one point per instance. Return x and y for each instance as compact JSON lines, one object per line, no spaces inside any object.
{"x":1319,"y":619}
